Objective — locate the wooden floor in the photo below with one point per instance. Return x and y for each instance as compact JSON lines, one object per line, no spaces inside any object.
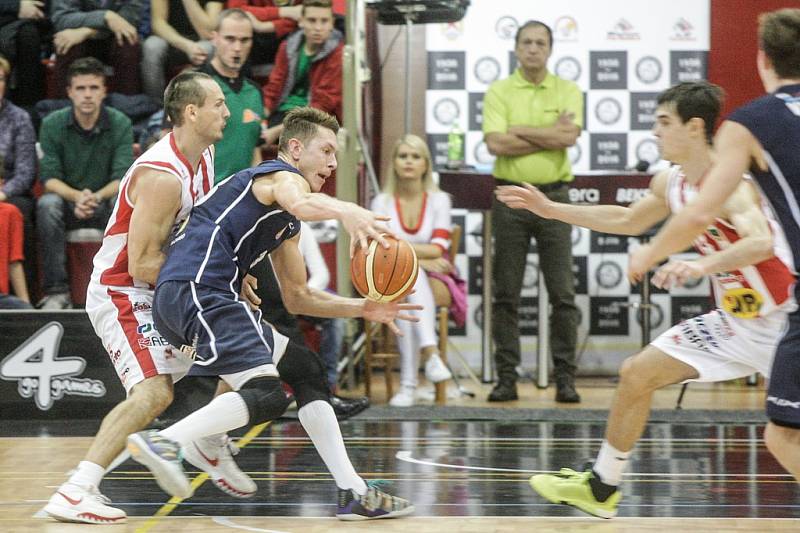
{"x":462,"y":476}
{"x":596,"y":393}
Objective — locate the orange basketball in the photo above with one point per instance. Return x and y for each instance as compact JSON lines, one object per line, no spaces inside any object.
{"x":384,"y":274}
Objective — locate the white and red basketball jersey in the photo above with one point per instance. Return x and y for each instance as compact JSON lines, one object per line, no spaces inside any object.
{"x":751,"y":291}
{"x":433,"y":226}
{"x":111,"y":261}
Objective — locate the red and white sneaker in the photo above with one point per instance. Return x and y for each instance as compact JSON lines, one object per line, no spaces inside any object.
{"x":82,"y":503}
{"x":214,"y":455}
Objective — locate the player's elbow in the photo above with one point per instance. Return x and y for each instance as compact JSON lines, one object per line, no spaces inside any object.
{"x":293,"y":301}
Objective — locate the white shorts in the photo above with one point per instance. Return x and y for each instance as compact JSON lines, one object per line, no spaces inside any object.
{"x":123,"y":319}
{"x":722,"y":347}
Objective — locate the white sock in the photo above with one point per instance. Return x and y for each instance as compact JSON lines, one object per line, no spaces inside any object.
{"x":320,"y":423}
{"x":118,"y":460}
{"x":225,"y":413}
{"x":87,"y":473}
{"x":610,"y":464}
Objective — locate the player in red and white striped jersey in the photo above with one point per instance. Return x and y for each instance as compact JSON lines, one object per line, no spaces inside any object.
{"x":750,"y":264}
{"x":157,"y":192}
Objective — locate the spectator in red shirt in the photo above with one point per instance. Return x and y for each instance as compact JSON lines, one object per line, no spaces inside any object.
{"x":308,"y":69}
{"x":12,"y":274}
{"x":272,"y":21}
{"x":18,"y":153}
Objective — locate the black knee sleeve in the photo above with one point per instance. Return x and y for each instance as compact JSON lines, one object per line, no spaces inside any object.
{"x":264,"y":398}
{"x":303,"y":370}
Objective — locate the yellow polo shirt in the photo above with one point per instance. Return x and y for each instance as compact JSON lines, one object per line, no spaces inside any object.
{"x":515,"y":101}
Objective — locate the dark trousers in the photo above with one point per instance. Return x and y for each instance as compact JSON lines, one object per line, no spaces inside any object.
{"x":24,"y":51}
{"x":512,"y":230}
{"x":54,"y":216}
{"x":124,"y":60}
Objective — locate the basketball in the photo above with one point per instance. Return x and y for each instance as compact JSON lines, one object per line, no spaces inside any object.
{"x":384,"y":274}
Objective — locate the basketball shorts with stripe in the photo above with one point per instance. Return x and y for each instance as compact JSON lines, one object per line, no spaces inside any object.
{"x":123,"y":319}
{"x":225,"y":337}
{"x":722,"y":347}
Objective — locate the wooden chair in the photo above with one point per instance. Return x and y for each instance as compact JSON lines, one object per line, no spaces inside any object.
{"x":381,"y":349}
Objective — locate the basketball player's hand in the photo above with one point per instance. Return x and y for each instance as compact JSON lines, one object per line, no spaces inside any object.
{"x":387,"y":313}
{"x":525,"y":197}
{"x":677,"y":273}
{"x":639,"y":262}
{"x":248,"y":294}
{"x":363,"y":225}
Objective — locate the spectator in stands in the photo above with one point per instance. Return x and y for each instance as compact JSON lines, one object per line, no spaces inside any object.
{"x":11,"y":256}
{"x":238,"y":149}
{"x":105,"y":29}
{"x":18,"y":150}
{"x":419,"y":213}
{"x":308,"y":69}
{"x":87,"y":149}
{"x":272,"y":21}
{"x":22,"y":24}
{"x":181,"y":32}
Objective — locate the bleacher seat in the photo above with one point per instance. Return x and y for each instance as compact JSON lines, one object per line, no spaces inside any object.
{"x":82,"y":245}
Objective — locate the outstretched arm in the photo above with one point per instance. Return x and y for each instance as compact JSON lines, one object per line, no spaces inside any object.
{"x":292,"y":193}
{"x":300,"y":299}
{"x":632,"y":220}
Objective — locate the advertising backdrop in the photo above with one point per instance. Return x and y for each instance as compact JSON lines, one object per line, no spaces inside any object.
{"x":621,"y":54}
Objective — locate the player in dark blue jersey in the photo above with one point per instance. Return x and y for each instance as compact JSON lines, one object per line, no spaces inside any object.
{"x":202,"y":304}
{"x":762,"y":137}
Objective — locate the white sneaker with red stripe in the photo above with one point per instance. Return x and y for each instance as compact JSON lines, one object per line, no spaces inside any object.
{"x":214,"y":455}
{"x":82,"y":503}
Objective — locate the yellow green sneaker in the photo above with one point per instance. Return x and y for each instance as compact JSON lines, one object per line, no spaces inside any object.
{"x":572,"y":488}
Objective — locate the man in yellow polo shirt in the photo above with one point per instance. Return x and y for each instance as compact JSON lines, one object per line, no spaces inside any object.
{"x":529,"y":121}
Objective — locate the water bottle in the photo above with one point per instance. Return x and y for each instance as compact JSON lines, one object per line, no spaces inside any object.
{"x":455,"y":147}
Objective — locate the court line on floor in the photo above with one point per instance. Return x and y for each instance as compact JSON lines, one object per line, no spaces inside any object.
{"x":173,"y":502}
{"x":224,"y":521}
{"x":405,"y":455}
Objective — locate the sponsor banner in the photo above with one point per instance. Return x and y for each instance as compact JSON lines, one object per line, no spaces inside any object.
{"x":53,"y":365}
{"x":619,"y":53}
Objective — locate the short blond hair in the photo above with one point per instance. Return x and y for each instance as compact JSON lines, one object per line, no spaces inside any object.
{"x":303,"y":123}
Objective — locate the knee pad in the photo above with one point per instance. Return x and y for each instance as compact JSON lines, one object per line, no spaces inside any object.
{"x":264,"y":398}
{"x":304,"y":371}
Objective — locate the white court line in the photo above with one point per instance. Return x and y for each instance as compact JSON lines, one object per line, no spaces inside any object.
{"x":224,"y":521}
{"x":506,"y":439}
{"x":404,"y":455}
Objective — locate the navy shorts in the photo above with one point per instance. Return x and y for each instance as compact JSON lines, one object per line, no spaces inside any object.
{"x":222,"y":333}
{"x":783,"y":393}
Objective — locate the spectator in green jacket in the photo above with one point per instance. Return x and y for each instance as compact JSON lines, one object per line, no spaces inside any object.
{"x":87,"y":149}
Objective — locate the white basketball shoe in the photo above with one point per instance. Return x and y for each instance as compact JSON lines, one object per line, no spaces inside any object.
{"x":213,"y":454}
{"x":82,"y":503}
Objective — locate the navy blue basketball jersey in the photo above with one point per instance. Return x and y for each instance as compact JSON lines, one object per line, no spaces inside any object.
{"x":774,"y":120}
{"x":228,"y":232}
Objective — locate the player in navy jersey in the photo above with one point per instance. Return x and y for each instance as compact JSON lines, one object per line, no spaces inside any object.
{"x":762,"y":137}
{"x":197,"y":306}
